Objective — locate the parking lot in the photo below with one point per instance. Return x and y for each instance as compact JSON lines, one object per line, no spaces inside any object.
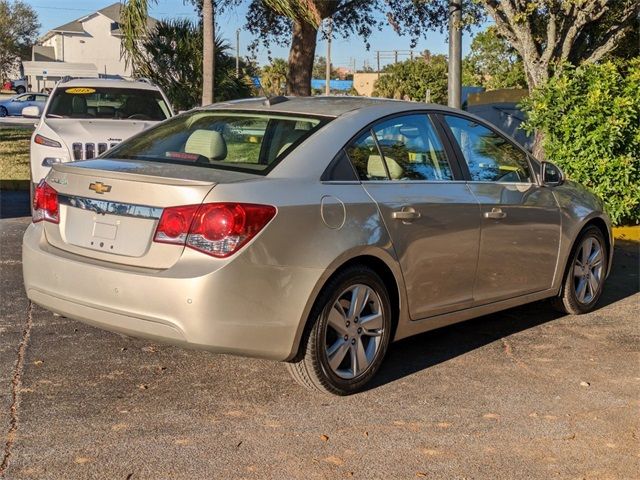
{"x":526,"y":393}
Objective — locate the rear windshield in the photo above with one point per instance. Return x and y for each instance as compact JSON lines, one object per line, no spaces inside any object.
{"x":108,"y":104}
{"x":229,"y":140}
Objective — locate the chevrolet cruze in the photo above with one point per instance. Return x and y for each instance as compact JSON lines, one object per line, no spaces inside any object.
{"x":313,"y":231}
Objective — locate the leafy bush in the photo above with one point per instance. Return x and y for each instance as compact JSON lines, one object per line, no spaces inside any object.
{"x":589,"y":117}
{"x":412,"y":78}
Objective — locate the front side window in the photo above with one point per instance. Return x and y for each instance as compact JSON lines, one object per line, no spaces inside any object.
{"x":489,"y":156}
{"x":402,"y":148}
{"x":249,"y":142}
{"x":108,"y":104}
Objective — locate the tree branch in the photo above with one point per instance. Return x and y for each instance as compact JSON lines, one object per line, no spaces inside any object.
{"x":523,"y":32}
{"x":502,"y":23}
{"x":552,"y":37}
{"x":614,"y":35}
{"x":590,"y":12}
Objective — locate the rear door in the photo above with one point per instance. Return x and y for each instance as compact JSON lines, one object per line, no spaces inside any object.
{"x":431,"y":216}
{"x":520,"y":219}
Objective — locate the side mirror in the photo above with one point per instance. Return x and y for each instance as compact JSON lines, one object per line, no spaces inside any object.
{"x":31,"y":112}
{"x":552,"y":176}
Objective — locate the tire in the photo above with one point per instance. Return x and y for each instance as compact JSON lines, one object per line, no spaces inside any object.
{"x":342,"y":332}
{"x":20,"y":90}
{"x":3,"y":112}
{"x":582,"y":286}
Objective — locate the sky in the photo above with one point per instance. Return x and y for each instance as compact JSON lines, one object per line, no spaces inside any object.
{"x":53,"y":13}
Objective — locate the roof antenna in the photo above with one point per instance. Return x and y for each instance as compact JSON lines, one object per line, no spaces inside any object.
{"x":268,"y":101}
{"x":274,"y":100}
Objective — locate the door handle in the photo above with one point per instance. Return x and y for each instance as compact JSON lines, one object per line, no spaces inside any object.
{"x":407,"y":214}
{"x":495,"y":213}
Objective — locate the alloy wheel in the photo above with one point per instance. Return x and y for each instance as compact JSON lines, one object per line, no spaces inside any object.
{"x":588,"y":269}
{"x":353,"y":336}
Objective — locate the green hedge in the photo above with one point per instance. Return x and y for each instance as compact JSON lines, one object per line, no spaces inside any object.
{"x":590,"y":119}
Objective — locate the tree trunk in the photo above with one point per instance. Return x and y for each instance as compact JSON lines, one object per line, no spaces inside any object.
{"x":208,"y":52}
{"x":537,"y":75}
{"x":301,"y":56}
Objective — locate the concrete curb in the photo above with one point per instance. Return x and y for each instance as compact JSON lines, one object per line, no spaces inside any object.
{"x":630,"y":234}
{"x":18,"y":122}
{"x":13,"y":185}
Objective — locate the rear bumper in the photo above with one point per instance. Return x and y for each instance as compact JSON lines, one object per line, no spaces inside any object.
{"x":235,"y":307}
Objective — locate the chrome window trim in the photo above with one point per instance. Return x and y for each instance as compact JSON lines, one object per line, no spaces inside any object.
{"x":340,"y":182}
{"x":500,"y":183}
{"x":107,"y":207}
{"x":413,"y":182}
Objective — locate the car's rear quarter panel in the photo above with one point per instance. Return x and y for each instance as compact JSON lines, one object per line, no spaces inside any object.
{"x":309,"y":239}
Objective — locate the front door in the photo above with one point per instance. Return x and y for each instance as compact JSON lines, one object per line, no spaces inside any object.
{"x":432,"y":217}
{"x":520,"y":219}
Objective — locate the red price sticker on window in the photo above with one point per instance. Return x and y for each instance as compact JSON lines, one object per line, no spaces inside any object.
{"x":189,"y":157}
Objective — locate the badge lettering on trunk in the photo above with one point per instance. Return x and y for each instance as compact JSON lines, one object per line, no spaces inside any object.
{"x":99,"y":187}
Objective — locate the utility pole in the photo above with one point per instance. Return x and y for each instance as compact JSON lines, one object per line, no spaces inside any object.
{"x":455,"y":54}
{"x":238,"y":53}
{"x":327,"y":76}
{"x":378,"y":59}
{"x":395,"y":56}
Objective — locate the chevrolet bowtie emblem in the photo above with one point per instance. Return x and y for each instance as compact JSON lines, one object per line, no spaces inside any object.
{"x":99,"y":187}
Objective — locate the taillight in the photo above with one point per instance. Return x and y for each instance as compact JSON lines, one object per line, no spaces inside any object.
{"x":217,"y":229}
{"x":174,"y":224}
{"x":45,"y":204}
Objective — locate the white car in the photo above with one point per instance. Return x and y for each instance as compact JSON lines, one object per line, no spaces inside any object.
{"x":86,"y":117}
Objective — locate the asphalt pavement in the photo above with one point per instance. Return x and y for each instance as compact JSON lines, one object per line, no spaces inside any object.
{"x":526,"y":393}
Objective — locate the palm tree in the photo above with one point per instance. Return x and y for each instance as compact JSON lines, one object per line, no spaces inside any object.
{"x":208,"y":52}
{"x":172,"y":59}
{"x":134,"y":28}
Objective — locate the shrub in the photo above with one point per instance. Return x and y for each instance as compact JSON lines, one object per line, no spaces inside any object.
{"x":589,"y":117}
{"x":412,"y":79}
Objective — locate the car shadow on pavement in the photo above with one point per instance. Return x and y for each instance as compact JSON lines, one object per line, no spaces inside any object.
{"x":422,"y":351}
{"x":14,"y":204}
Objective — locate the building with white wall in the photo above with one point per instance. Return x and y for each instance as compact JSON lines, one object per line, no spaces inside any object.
{"x":94,"y":39}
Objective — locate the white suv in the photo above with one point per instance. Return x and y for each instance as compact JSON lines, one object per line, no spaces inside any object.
{"x":86,"y":117}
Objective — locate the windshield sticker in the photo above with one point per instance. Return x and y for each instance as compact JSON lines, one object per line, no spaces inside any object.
{"x":80,"y":90}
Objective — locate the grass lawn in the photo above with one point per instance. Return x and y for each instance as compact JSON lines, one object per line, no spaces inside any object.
{"x":14,"y":153}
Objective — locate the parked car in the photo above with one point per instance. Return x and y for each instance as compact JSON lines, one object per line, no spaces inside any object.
{"x":15,"y":105}
{"x":313,"y":231}
{"x":20,"y":85}
{"x":85,"y":117}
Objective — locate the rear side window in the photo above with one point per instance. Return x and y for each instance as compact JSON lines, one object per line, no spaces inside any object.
{"x":489,"y":156}
{"x":401,"y":148}
{"x":229,"y":140}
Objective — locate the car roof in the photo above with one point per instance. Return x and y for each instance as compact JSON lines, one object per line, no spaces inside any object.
{"x":107,"y":83}
{"x":327,"y":106}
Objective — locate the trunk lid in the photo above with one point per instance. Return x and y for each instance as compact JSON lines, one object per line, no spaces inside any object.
{"x":109,"y":209}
